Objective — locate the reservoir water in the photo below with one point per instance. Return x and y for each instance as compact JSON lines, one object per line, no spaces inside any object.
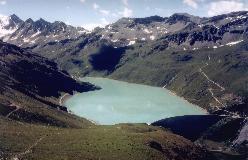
{"x":122,"y":102}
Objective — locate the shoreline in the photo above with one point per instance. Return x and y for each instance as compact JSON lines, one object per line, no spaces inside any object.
{"x":67,"y":96}
{"x":184,"y":99}
{"x":64,"y":98}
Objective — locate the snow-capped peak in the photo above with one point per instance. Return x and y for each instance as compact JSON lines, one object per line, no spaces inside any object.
{"x":6,"y":27}
{"x":4,"y":20}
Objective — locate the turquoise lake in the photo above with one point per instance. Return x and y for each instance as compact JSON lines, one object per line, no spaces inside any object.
{"x":122,"y":102}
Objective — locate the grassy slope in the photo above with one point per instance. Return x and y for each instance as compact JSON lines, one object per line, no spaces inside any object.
{"x":34,"y":111}
{"x":104,"y":142}
{"x":180,"y":70}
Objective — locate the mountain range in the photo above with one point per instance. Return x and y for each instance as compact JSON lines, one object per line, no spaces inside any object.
{"x":181,"y":31}
{"x":202,"y":59}
{"x":181,"y":49}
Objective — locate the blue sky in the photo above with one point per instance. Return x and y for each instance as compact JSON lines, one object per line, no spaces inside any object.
{"x":91,"y":13}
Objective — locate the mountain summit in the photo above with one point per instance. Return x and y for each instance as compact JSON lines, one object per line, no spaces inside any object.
{"x":28,"y":33}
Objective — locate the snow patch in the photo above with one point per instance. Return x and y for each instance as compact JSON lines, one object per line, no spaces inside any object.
{"x":13,"y":38}
{"x":109,"y":27}
{"x":229,"y":18}
{"x":241,"y":17}
{"x":152,"y":38}
{"x":36,"y":34}
{"x":147,"y":31}
{"x":131,"y":43}
{"x":234,"y":43}
{"x":216,"y":26}
{"x":26,"y":40}
{"x":115,"y":40}
{"x":84,"y":31}
{"x":33,"y":41}
{"x":4,"y":22}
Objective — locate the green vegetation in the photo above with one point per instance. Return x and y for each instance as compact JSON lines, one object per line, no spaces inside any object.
{"x":153,"y":63}
{"x":184,"y":72}
{"x":124,"y":141}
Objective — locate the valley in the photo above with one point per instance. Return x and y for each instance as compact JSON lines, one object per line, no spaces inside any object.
{"x":49,"y":109}
{"x":183,"y":44}
{"x":33,"y":125}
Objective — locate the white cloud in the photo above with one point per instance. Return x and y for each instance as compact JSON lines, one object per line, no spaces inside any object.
{"x":92,"y":26}
{"x":82,"y":1}
{"x":2,"y":2}
{"x":125,"y":2}
{"x":96,"y":6}
{"x":126,"y":12}
{"x":159,"y":9}
{"x":191,"y":3}
{"x":101,"y":11}
{"x":225,"y":6}
{"x":104,"y":12}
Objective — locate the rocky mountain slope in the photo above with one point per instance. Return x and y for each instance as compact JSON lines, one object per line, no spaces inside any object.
{"x":29,"y":33}
{"x":181,"y":31}
{"x":217,"y":133}
{"x":8,"y":25}
{"x":31,"y":87}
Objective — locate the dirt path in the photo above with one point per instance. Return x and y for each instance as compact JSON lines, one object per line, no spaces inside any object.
{"x":28,"y":150}
{"x":61,"y":99}
{"x":17,"y":108}
{"x":234,"y":115}
{"x":210,"y":80}
{"x":216,"y":99}
{"x":212,"y":93}
{"x":172,"y":79}
{"x":215,"y":83}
